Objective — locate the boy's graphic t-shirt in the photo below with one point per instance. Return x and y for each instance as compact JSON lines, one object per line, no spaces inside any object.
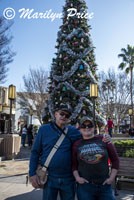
{"x":92,"y":157}
{"x":91,"y":153}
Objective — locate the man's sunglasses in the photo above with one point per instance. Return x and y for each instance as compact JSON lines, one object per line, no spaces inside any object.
{"x":64,"y":114}
{"x":87,"y":126}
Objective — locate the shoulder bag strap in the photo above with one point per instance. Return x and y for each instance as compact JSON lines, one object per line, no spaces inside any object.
{"x":54,"y":149}
{"x":60,"y":129}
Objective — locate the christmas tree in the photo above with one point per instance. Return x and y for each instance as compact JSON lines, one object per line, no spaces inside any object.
{"x":74,"y":67}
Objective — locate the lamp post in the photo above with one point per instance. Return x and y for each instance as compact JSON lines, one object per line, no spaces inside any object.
{"x":0,"y":116}
{"x":94,"y":95}
{"x":130,"y":112}
{"x":31,"y":114}
{"x":11,"y":97}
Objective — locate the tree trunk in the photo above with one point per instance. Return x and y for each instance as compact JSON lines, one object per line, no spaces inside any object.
{"x":131,"y":92}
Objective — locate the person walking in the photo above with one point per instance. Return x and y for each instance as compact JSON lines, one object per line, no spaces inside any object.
{"x":131,"y":131}
{"x":23,"y":135}
{"x":110,"y":126}
{"x":90,"y":164}
{"x":60,"y":179}
{"x":30,"y":135}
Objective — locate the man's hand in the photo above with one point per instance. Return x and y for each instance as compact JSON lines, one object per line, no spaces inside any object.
{"x":106,"y":138}
{"x":34,"y":181}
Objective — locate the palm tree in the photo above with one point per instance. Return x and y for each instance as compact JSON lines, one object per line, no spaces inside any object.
{"x":108,"y":86}
{"x":127,"y":56}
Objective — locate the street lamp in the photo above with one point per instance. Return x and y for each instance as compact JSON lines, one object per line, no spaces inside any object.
{"x":31,"y":114}
{"x":11,"y":97}
{"x":94,"y":95}
{"x":130,"y":112}
{"x":0,"y":116}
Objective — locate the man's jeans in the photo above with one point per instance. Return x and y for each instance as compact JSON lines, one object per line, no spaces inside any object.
{"x":88,"y":191}
{"x":64,"y":186}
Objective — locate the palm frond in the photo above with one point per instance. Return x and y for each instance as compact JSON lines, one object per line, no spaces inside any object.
{"x":127,"y":70}
{"x":124,"y":57}
{"x":122,"y":65}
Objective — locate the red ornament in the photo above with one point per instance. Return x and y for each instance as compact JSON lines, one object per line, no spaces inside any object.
{"x":76,"y":22}
{"x":65,"y":58}
{"x":76,"y":43}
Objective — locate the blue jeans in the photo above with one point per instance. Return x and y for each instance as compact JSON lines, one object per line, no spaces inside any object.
{"x":23,"y":139}
{"x":30,"y":137}
{"x":64,"y":186}
{"x":88,"y":191}
{"x":110,"y":131}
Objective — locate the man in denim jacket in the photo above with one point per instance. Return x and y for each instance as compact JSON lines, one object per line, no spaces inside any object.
{"x":60,"y":174}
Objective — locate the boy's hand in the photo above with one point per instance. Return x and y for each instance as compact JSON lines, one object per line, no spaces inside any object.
{"x":81,"y":180}
{"x":108,"y":181}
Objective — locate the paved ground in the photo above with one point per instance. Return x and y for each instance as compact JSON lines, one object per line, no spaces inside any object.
{"x":14,"y":188}
{"x":13,"y":181}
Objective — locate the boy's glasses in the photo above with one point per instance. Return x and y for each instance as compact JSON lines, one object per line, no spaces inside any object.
{"x":64,"y":114}
{"x":87,"y":126}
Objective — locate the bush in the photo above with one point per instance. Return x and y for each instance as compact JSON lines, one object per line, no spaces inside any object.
{"x":129,"y":153}
{"x":123,"y":143}
{"x":125,"y":148}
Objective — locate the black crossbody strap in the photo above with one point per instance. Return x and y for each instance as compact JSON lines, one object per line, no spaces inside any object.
{"x":63,"y":132}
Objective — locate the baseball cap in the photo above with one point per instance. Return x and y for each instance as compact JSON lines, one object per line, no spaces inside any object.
{"x":85,"y":118}
{"x":65,"y":108}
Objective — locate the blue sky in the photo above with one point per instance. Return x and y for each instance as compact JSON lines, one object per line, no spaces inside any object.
{"x":35,"y":39}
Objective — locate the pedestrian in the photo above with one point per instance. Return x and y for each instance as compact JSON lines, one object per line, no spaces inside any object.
{"x":90,"y":164}
{"x":131,"y":131}
{"x":23,"y":134}
{"x":30,"y":135}
{"x":60,"y":179}
{"x":110,"y":126}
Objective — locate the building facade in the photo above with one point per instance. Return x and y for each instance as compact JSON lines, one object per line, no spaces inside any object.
{"x":19,"y":116}
{"x":5,"y":111}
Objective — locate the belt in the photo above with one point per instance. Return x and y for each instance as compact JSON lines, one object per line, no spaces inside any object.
{"x":96,"y":182}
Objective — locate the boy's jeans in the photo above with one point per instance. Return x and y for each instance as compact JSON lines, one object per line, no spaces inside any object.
{"x":89,"y":191}
{"x":64,"y":186}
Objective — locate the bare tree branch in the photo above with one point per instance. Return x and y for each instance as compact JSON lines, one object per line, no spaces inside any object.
{"x":34,"y":95}
{"x":6,"y":55}
{"x":114,"y":95}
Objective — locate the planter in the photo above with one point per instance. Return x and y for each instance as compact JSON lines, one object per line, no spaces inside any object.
{"x":122,"y":150}
{"x":10,"y":145}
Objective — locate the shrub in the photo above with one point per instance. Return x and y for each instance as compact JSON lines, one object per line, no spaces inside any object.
{"x":125,"y":148}
{"x":129,"y":153}
{"x":123,"y":143}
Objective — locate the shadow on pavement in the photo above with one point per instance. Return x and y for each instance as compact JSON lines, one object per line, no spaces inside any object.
{"x":33,"y":195}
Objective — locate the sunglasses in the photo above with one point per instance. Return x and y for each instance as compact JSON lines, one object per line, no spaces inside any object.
{"x":64,"y":114}
{"x":87,"y":126}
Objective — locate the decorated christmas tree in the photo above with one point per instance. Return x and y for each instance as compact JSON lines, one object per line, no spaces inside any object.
{"x":74,"y":67}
